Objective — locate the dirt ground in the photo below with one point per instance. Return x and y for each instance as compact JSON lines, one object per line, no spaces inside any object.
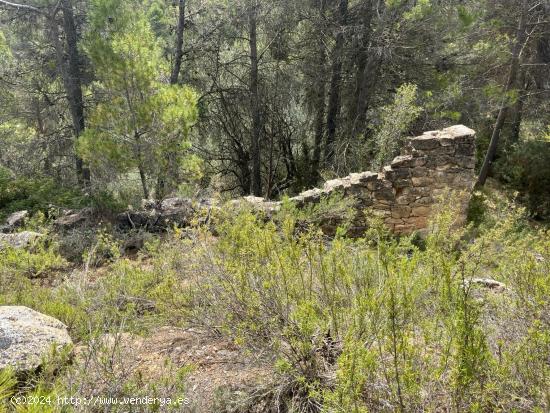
{"x":215,"y":368}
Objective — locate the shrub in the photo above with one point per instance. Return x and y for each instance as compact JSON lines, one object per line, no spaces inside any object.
{"x":39,"y":262}
{"x":372,"y":324}
{"x":396,"y":117}
{"x":377,"y":324}
{"x":34,"y":194}
{"x":527,"y":169}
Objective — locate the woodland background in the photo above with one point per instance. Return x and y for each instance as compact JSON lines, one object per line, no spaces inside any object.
{"x":136,"y":99}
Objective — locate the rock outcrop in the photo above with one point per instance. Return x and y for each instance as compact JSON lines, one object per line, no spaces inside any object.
{"x":71,"y":219}
{"x":27,"y":336}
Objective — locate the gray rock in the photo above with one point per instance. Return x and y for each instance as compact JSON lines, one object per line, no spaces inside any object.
{"x":363,"y":177}
{"x":336,"y":185}
{"x":19,"y":239}
{"x":174,"y":203}
{"x":260,"y":204}
{"x":310,"y":196}
{"x":424,"y":142}
{"x":396,"y":174}
{"x":17,"y":219}
{"x":27,"y":336}
{"x":459,"y":133}
{"x":403,"y":161}
{"x":487,"y":283}
{"x":72,"y":219}
{"x":149,"y":204}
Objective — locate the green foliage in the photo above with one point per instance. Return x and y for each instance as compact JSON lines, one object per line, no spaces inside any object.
{"x":396,"y":118}
{"x":7,"y":385}
{"x":348,"y":325}
{"x":34,"y":194}
{"x":334,"y":214}
{"x":40,"y":262}
{"x":5,"y":52}
{"x":126,"y":295}
{"x":140,"y":119}
{"x":527,"y":170}
{"x":465,"y":16}
{"x":399,"y":326}
{"x":105,"y":249}
{"x":419,"y":10}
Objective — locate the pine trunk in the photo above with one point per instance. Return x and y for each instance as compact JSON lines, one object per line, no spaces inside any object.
{"x":256,"y":182}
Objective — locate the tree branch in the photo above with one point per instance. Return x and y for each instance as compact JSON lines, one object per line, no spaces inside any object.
{"x":20,"y":6}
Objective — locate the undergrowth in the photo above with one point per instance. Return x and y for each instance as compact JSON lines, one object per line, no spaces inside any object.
{"x":344,"y":325}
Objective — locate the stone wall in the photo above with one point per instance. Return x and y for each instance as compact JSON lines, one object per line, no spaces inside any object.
{"x":404,"y":192}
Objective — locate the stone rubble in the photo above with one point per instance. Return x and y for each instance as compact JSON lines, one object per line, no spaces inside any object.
{"x":14,"y":221}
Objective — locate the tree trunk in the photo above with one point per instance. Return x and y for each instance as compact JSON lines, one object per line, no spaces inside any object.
{"x":366,"y":76}
{"x":256,"y":184}
{"x":518,"y":109}
{"x":74,"y":83}
{"x":40,"y":128}
{"x":143,"y":178}
{"x":517,"y":48}
{"x":141,"y":169}
{"x":320,"y":97}
{"x":336,"y":77}
{"x":364,"y":91}
{"x":168,"y":177}
{"x":178,"y":52}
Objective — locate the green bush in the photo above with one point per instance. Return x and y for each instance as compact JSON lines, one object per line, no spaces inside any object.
{"x":372,"y":324}
{"x":34,"y":194}
{"x":39,"y":261}
{"x":527,"y":169}
{"x":377,"y":324}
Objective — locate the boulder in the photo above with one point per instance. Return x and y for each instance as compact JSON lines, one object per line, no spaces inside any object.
{"x":176,"y":211}
{"x":487,"y":283}
{"x":27,"y":336}
{"x":15,"y":220}
{"x":72,"y":219}
{"x":18,"y":239}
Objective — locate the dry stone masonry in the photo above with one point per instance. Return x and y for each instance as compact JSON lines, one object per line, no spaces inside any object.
{"x":404,"y":192}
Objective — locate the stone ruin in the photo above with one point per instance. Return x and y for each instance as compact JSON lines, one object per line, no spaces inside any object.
{"x":404,"y":192}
